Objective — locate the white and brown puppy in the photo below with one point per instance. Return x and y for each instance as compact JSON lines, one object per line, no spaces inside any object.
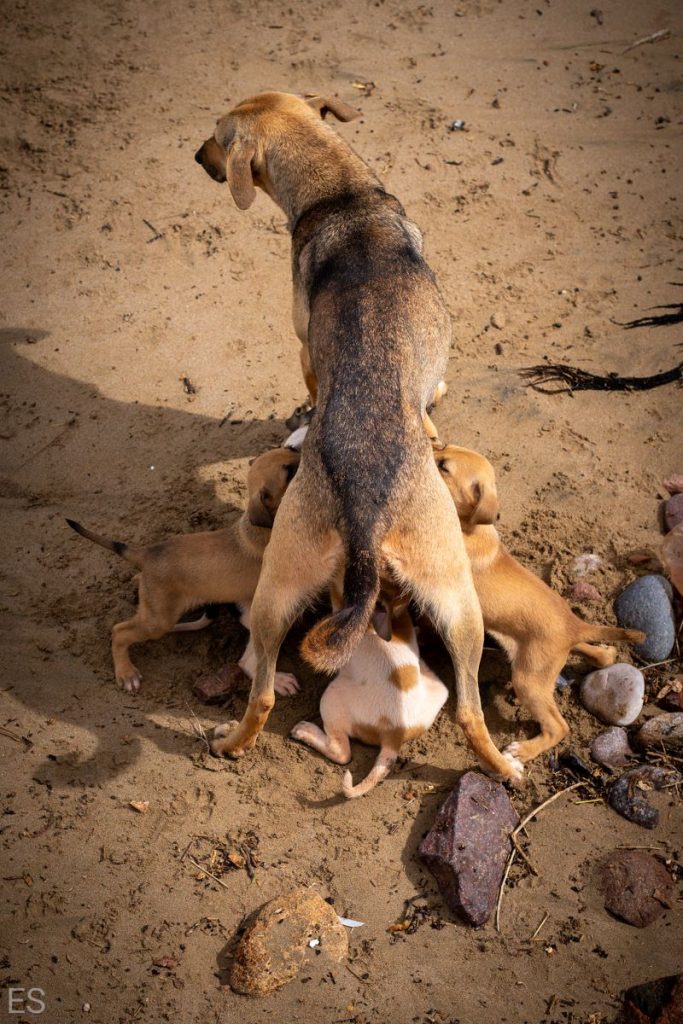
{"x":376,"y":337}
{"x":533,"y":624}
{"x":194,"y":569}
{"x":385,"y":696}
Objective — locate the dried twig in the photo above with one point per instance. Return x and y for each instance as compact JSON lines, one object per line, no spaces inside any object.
{"x":204,"y":870}
{"x":157,"y":234}
{"x":525,"y":821}
{"x":543,"y":921}
{"x":15,"y":736}
{"x":653,"y":38}
{"x":575,"y":379}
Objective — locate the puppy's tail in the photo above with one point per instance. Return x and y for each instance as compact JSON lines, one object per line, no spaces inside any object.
{"x":332,"y":641}
{"x":611,"y":635}
{"x":379,"y":771}
{"x":124,"y":550}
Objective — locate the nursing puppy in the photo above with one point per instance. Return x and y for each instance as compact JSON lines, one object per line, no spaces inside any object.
{"x":194,"y":569}
{"x":384,"y":696}
{"x":376,"y":337}
{"x":533,"y":624}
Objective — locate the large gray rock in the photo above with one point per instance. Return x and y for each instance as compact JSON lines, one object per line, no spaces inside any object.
{"x":614,"y":694}
{"x":646,"y":605}
{"x":468,"y":845}
{"x":636,"y":886}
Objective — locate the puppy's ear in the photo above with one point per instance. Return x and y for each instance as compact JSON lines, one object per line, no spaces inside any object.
{"x":258,"y":512}
{"x":381,"y":620}
{"x":477,"y":503}
{"x":239,"y":175}
{"x":331,"y":105}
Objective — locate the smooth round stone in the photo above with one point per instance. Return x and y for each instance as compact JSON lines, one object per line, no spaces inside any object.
{"x":614,"y":694}
{"x":611,"y":748}
{"x":646,"y":605}
{"x":673,"y":511}
{"x":666,"y":730}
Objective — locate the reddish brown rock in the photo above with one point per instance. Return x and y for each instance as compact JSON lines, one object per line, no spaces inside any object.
{"x":654,"y":1002}
{"x":215,"y":687}
{"x":673,"y":511}
{"x":276,"y":941}
{"x":585,"y":592}
{"x":468,"y":845}
{"x":636,"y":886}
{"x":662,"y":731}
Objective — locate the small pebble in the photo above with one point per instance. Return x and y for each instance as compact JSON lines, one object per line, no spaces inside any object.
{"x":498,"y":321}
{"x":611,"y":748}
{"x":587,"y":562}
{"x":673,"y":511}
{"x":646,"y":605}
{"x":585,"y":592}
{"x":674,"y":484}
{"x":672,"y":555}
{"x":562,"y":682}
{"x":665,"y":730}
{"x":614,"y":694}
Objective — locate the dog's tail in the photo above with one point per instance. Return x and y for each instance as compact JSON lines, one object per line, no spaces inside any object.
{"x":379,"y":771}
{"x":332,"y":641}
{"x":131,"y":554}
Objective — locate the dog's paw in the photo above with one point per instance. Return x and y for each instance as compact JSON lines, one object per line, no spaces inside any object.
{"x":286,"y":684}
{"x":224,"y":742}
{"x":130,"y":683}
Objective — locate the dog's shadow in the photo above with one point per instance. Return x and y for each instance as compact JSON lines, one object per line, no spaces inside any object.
{"x":128,"y":470}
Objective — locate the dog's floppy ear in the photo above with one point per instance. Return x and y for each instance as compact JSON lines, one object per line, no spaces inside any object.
{"x":239,"y":175}
{"x":258,"y":512}
{"x":331,"y":105}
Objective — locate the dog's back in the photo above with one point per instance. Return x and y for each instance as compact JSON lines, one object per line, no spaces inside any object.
{"x":378,"y":339}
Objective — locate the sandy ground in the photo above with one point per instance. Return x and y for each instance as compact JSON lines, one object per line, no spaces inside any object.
{"x":123,"y":268}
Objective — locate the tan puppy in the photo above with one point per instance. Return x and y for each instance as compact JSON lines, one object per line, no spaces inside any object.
{"x":384,"y":696}
{"x":376,"y":337}
{"x":193,"y":569}
{"x":534,"y":625}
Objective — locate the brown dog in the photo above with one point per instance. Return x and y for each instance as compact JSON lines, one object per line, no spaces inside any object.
{"x":376,"y":337}
{"x":193,"y":569}
{"x":534,"y":625}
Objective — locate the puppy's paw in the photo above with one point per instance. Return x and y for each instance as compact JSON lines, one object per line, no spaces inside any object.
{"x":130,"y":682}
{"x":512,"y":772}
{"x":516,"y":766}
{"x":302,"y":731}
{"x":286,"y":684}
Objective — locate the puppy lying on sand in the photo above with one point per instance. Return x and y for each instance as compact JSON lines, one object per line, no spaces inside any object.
{"x":534,"y":625}
{"x":384,"y":696}
{"x":194,"y":569}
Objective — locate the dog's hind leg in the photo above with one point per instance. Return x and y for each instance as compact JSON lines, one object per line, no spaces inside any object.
{"x":437,"y":573}
{"x":533,"y":681}
{"x":296,"y":567}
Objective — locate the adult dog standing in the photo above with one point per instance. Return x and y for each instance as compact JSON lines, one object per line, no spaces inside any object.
{"x":375,"y":335}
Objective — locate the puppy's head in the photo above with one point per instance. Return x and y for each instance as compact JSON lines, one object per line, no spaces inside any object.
{"x":239,"y":148}
{"x":268,"y":478}
{"x":391,"y":605}
{"x":472,"y":482}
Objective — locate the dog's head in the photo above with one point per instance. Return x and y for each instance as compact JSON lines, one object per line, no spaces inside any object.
{"x":238,"y":150}
{"x":269,"y":477}
{"x":472,"y":482}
